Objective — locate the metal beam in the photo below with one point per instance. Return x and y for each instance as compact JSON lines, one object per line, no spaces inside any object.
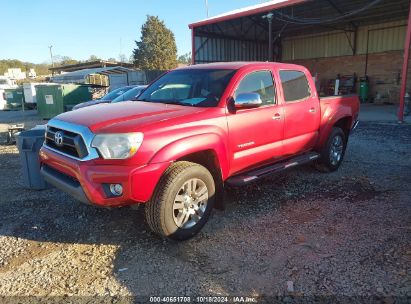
{"x":193,"y":48}
{"x":262,"y":26}
{"x":340,"y":11}
{"x":201,"y":46}
{"x":405,"y":68}
{"x":219,"y":36}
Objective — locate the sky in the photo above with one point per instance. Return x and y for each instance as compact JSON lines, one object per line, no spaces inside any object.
{"x":105,"y":28}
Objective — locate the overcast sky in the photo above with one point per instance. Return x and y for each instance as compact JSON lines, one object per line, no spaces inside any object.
{"x":105,"y":28}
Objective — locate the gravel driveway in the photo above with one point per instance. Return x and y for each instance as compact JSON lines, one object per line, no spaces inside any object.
{"x":301,"y":233}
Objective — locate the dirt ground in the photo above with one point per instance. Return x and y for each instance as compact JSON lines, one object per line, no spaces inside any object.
{"x":292,"y":236}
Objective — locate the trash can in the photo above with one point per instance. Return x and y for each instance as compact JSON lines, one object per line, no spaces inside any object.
{"x":364,"y":88}
{"x":55,"y":99}
{"x":29,"y":144}
{"x":14,"y":98}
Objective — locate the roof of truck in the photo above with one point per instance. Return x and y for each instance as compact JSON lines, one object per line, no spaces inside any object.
{"x":233,"y":65}
{"x":223,"y":65}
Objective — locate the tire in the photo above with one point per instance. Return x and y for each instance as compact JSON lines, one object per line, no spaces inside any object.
{"x":332,"y":154}
{"x":176,"y":212}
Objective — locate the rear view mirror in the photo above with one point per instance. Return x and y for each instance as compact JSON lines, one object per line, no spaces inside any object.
{"x":247,"y":100}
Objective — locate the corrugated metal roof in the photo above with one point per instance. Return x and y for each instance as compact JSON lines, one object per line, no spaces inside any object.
{"x":81,"y":75}
{"x":243,"y":34}
{"x":104,"y":71}
{"x":247,"y":11}
{"x":240,"y":22}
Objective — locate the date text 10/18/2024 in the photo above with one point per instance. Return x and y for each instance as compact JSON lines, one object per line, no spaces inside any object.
{"x":204,"y":299}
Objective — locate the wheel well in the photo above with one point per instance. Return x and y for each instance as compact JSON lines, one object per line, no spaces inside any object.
{"x":345,"y":125}
{"x":205,"y":158}
{"x":209,"y":160}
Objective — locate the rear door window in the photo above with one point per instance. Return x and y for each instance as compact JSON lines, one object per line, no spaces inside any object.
{"x":295,"y":85}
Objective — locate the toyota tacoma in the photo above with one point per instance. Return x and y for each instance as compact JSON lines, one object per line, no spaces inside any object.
{"x":193,"y":131}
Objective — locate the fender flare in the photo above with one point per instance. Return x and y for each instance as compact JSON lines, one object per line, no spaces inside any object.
{"x":192,"y":144}
{"x":327,"y":126}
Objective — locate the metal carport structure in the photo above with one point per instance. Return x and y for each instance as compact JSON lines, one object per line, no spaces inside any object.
{"x":103,"y":76}
{"x":244,"y":34}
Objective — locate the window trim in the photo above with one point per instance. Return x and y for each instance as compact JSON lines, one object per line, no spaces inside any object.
{"x":282,"y":87}
{"x":274,"y":85}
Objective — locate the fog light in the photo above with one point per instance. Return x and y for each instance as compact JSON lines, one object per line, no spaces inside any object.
{"x":116,"y":189}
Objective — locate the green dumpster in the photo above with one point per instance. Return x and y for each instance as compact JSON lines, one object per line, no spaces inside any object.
{"x":56,"y":99}
{"x":14,"y":98}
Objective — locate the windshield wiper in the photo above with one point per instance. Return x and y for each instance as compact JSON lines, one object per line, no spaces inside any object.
{"x":180,"y":103}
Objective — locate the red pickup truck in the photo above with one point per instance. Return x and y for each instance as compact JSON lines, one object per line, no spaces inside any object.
{"x":193,"y":131}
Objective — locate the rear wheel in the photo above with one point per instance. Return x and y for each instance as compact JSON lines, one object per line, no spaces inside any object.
{"x":332,"y":153}
{"x":182,"y":201}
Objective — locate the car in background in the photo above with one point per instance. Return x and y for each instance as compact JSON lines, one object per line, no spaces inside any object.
{"x":105,"y":99}
{"x":131,"y":94}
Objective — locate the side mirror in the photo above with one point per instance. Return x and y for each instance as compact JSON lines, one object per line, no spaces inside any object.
{"x":247,"y":100}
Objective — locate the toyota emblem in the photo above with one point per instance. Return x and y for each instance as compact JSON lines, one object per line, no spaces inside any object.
{"x":58,"y":138}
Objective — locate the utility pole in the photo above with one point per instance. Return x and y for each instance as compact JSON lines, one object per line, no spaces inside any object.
{"x":269,"y":17}
{"x":206,"y":5}
{"x":51,"y":56}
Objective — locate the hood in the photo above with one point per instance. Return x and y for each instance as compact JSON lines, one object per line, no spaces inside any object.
{"x":126,"y":116}
{"x":89,"y":103}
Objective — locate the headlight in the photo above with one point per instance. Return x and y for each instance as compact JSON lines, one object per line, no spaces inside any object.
{"x":117,"y":146}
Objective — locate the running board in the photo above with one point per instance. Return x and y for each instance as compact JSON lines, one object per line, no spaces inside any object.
{"x":251,"y":176}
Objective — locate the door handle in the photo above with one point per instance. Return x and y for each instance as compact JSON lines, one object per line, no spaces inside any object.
{"x":312,"y":110}
{"x":277,"y":116}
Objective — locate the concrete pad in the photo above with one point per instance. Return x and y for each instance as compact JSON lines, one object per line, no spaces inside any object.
{"x":378,"y":112}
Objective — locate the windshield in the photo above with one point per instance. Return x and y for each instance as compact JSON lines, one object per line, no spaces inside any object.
{"x":129,"y":95}
{"x":115,"y":93}
{"x":191,"y":87}
{"x":3,"y":81}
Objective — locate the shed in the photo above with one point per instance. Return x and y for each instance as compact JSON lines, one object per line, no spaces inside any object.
{"x":114,"y":77}
{"x":329,"y":37}
{"x":88,"y":65}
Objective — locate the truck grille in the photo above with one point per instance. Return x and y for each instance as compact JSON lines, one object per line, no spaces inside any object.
{"x":71,"y":143}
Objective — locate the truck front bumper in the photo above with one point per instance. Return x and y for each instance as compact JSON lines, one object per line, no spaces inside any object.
{"x":89,"y":182}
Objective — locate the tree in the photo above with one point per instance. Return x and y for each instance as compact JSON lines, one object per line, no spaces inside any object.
{"x":93,"y":58}
{"x":41,"y":68}
{"x":157,"y":48}
{"x":64,"y":60}
{"x":185,"y":59}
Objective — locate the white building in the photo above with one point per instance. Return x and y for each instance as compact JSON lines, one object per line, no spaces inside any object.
{"x":32,"y":74}
{"x":15,"y":74}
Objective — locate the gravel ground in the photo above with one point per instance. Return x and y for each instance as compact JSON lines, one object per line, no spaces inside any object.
{"x":29,"y":118}
{"x":301,"y":233}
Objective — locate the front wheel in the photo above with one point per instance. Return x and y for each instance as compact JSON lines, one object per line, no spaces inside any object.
{"x":332,"y":153}
{"x":182,"y":201}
